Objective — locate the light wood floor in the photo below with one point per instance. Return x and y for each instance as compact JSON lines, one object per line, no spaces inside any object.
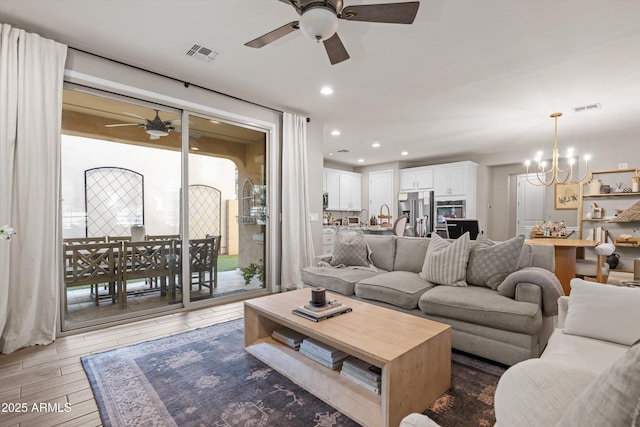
{"x":54,"y":373}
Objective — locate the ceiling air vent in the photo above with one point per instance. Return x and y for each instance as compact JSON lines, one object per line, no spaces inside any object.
{"x":344,"y":151}
{"x":202,"y":53}
{"x":586,"y":108}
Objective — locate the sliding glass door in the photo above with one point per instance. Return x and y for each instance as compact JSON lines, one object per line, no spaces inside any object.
{"x":162,"y":209}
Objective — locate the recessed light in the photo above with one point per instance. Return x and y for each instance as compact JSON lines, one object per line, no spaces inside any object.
{"x":335,"y":132}
{"x":360,"y":160}
{"x":326,"y":90}
{"x":331,"y":154}
{"x":404,"y":153}
{"x":375,"y":145}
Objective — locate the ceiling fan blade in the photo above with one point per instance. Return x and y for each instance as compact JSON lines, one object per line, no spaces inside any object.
{"x":135,"y":115}
{"x":273,"y":35}
{"x":122,"y":124}
{"x":293,"y":3}
{"x":392,"y":13}
{"x":335,"y":49}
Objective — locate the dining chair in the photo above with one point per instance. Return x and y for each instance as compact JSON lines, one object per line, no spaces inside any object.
{"x":399,"y":225}
{"x":598,"y":268}
{"x":93,"y":264}
{"x":151,"y":261}
{"x":203,"y":260}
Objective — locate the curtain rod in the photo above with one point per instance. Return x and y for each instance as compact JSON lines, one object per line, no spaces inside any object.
{"x":186,"y":84}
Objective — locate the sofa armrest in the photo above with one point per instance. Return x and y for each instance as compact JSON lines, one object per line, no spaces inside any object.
{"x":323,"y":257}
{"x":563,"y":309}
{"x":418,"y":420}
{"x":537,"y":392}
{"x":528,"y":292}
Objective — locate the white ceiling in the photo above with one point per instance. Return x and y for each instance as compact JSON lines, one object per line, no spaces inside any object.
{"x":469,"y":76}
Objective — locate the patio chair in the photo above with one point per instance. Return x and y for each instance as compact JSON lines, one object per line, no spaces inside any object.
{"x":203,"y":261}
{"x":151,"y":261}
{"x":92,"y":264}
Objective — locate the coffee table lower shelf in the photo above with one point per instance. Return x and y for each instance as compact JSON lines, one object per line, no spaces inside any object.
{"x":362,"y":405}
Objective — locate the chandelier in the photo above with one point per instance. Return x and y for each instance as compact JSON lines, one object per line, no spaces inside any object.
{"x":546,"y":175}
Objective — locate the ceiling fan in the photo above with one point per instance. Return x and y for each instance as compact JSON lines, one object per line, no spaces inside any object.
{"x":319,"y":21}
{"x":155,"y":128}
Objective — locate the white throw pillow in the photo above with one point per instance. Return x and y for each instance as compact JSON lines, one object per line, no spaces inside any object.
{"x":605,"y":312}
{"x":446,"y":263}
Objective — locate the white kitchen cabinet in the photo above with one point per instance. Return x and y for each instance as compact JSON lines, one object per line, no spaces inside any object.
{"x":350,"y":191}
{"x":416,"y":179}
{"x":454,"y":179}
{"x":344,"y":189}
{"x":332,"y":183}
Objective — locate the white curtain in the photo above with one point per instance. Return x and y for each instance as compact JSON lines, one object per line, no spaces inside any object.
{"x":297,"y":242}
{"x":31,"y":75}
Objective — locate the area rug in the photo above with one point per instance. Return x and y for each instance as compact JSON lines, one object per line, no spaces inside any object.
{"x":205,"y":378}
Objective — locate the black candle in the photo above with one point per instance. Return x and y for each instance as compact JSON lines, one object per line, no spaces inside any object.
{"x":318,"y":296}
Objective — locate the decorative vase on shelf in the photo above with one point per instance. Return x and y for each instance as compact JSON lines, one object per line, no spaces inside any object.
{"x":594,"y":186}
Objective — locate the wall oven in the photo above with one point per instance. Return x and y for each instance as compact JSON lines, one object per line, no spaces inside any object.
{"x":448,"y":209}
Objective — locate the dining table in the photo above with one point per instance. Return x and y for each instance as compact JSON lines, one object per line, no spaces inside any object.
{"x":566,"y":253}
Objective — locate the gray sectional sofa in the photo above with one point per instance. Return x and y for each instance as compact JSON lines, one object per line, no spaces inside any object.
{"x":484,"y":321}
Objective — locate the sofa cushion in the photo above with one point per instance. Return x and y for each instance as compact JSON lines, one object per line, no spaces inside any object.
{"x":612,"y":399}
{"x":383,"y":250}
{"x":490,"y":262}
{"x":482,"y":306}
{"x":536,"y":393}
{"x":341,"y":280}
{"x":401,"y":288}
{"x":410,"y":253}
{"x":350,"y":249}
{"x":604,"y":312}
{"x":446,"y":262}
{"x":526,"y":256}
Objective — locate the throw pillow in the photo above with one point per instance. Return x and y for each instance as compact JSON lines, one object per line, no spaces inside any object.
{"x":446,"y":262}
{"x":612,"y":399}
{"x":604,"y":312}
{"x":490,"y":263}
{"x":350,"y":249}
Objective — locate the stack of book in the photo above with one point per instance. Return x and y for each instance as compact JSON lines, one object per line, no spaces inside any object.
{"x":288,"y":337}
{"x":362,"y":373}
{"x":317,"y":314}
{"x":322,"y":353}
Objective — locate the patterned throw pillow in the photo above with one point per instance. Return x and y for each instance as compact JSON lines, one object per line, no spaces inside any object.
{"x":446,"y":262}
{"x":490,"y":263}
{"x":350,"y":249}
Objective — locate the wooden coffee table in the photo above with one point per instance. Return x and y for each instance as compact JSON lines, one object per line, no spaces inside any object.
{"x":414,"y":354}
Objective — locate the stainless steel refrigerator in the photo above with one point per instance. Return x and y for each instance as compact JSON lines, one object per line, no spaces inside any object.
{"x":418,"y":206}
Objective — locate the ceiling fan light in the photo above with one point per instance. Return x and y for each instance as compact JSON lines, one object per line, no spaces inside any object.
{"x":319,"y":23}
{"x":157,"y":132}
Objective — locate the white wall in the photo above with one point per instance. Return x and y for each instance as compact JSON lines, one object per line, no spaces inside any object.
{"x":161,"y":171}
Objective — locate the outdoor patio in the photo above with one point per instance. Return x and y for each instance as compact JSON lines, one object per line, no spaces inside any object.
{"x":81,"y":303}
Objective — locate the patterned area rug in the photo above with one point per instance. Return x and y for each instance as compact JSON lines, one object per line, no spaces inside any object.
{"x":205,"y":378}
{"x":469,"y":401}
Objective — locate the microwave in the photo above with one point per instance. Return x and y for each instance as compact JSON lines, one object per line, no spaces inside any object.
{"x":449,"y":209}
{"x":353,"y":220}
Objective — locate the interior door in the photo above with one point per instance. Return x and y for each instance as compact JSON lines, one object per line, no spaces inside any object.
{"x":381,"y":191}
{"x":530,"y":206}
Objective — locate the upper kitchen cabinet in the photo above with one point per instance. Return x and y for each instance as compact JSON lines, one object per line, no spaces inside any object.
{"x":332,"y":188}
{"x":350,"y":191}
{"x":416,"y":179}
{"x":344,"y":190}
{"x":454,"y":179}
